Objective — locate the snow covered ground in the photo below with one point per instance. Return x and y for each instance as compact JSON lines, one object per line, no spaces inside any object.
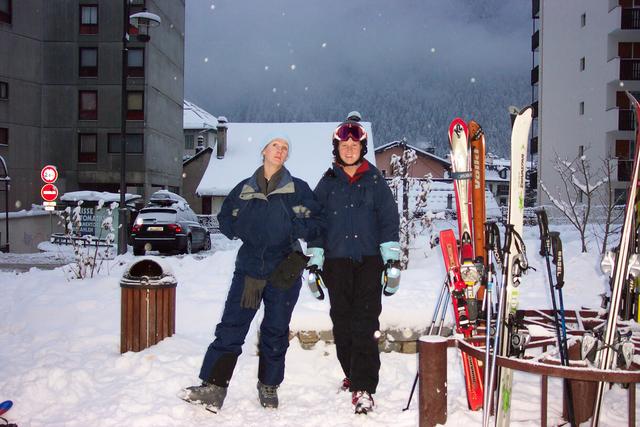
{"x":62,"y":367}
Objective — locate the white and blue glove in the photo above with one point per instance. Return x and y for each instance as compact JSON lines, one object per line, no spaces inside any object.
{"x":314,"y":266}
{"x":390,"y":279}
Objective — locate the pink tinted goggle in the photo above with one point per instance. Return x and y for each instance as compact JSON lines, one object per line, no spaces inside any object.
{"x":350,"y":130}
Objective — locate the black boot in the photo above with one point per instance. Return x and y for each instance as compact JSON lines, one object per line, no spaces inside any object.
{"x":208,"y":395}
{"x":268,"y":395}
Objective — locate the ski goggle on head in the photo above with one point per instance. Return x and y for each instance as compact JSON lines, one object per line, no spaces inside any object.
{"x":350,"y":130}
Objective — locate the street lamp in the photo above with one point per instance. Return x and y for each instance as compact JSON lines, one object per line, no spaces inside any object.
{"x":5,"y":177}
{"x":142,"y":21}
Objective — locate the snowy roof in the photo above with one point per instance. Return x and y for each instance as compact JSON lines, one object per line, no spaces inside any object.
{"x":493,"y":175}
{"x":195,"y":117}
{"x":309,"y":153}
{"x":418,"y":150}
{"x":96,"y":196}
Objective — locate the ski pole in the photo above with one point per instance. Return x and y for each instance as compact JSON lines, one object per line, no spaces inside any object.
{"x":443,"y":314}
{"x":546,"y":250}
{"x":437,"y":309}
{"x":441,"y":298}
{"x":502,"y":300}
{"x":490,"y":233}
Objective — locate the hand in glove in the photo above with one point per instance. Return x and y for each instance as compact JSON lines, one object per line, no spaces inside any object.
{"x":390,"y":279}
{"x":314,"y":279}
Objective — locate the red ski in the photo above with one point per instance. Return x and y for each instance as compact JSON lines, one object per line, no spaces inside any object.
{"x":457,"y":287}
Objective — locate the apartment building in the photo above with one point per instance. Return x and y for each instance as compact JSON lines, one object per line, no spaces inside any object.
{"x":61,"y":90}
{"x":586,"y":54}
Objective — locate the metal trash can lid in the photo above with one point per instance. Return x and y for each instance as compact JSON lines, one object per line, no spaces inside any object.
{"x":148,"y":271}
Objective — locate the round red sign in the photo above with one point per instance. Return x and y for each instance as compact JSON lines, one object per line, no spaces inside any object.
{"x":49,"y":174}
{"x":49,"y":192}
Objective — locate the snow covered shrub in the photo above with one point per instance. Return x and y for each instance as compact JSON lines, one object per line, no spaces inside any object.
{"x":89,"y":251}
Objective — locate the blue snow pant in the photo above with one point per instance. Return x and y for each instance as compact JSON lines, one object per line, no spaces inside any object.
{"x":222,"y":354}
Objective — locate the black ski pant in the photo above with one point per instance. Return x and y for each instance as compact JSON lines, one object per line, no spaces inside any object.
{"x":355,"y":294}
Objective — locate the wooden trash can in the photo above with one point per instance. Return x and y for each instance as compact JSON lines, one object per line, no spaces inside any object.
{"x":148,"y":305}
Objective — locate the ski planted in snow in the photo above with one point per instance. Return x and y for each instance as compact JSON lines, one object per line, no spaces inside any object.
{"x":462,"y":176}
{"x":621,"y":268}
{"x":457,"y":288}
{"x":519,"y":144}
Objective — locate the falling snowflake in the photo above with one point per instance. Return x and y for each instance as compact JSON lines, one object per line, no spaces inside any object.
{"x":213,"y":6}
{"x":274,"y":90}
{"x":621,"y":84}
{"x":293,"y":67}
{"x":184,"y":174}
{"x":472,"y":79}
{"x":266,"y":68}
{"x":18,"y":204}
{"x":250,"y":139}
{"x":306,"y":88}
{"x":206,"y":59}
{"x":433,"y":50}
{"x":324,"y":44}
{"x":364,"y":28}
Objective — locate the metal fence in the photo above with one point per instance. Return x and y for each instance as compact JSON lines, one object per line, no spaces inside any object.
{"x":210,"y":222}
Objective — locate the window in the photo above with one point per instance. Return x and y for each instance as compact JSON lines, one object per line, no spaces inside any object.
{"x":134,"y":142}
{"x":89,"y":19}
{"x":88,"y":105}
{"x":4,"y":90}
{"x":188,"y":142}
{"x":4,"y":136}
{"x":582,"y":63}
{"x":583,"y":19}
{"x":87,"y":148}
{"x":135,"y":105}
{"x":88,"y":59}
{"x":5,"y":11}
{"x":135,"y":62}
{"x":581,"y":109}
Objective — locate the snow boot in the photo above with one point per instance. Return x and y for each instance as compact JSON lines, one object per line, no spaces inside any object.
{"x":208,"y":395}
{"x":362,"y":402}
{"x":268,"y":395}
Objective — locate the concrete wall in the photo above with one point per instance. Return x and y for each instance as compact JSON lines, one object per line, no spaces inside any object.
{"x":563,"y":85}
{"x":26,"y":232}
{"x":41,"y":48}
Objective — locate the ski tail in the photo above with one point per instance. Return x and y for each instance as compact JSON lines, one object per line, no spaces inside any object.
{"x":476,"y":138}
{"x":461,"y":175}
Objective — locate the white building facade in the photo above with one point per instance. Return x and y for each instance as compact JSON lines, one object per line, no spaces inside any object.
{"x":586,"y":54}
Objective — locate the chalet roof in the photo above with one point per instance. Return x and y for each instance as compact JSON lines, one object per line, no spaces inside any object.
{"x":418,"y":151}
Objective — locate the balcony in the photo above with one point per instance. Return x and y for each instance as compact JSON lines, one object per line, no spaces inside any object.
{"x":535,"y":75}
{"x":630,"y":19}
{"x":535,"y":41}
{"x":629,"y":69}
{"x":535,"y":9}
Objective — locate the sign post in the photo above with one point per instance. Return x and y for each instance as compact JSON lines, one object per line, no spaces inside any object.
{"x":49,"y":192}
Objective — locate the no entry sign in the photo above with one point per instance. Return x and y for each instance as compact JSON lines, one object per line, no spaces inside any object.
{"x":49,"y":192}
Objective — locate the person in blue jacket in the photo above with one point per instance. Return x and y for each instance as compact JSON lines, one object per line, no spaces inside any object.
{"x":356,"y":255}
{"x":269,"y":212}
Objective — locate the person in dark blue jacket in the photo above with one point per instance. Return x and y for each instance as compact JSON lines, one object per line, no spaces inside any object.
{"x":269,"y":212}
{"x":356,"y":255}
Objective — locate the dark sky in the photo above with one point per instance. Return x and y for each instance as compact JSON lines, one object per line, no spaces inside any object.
{"x":303,"y":52}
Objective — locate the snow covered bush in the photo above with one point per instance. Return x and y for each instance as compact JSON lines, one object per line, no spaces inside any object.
{"x":575,"y":196}
{"x":414,"y":217}
{"x":89,"y":251}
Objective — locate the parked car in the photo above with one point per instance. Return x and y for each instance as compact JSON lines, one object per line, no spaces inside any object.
{"x":168,"y":225}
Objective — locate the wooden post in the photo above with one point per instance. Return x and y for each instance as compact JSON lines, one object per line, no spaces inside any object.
{"x":584,"y":392}
{"x":432,"y":391}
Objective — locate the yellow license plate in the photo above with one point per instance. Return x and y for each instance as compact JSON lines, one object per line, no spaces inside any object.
{"x":155,"y":228}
